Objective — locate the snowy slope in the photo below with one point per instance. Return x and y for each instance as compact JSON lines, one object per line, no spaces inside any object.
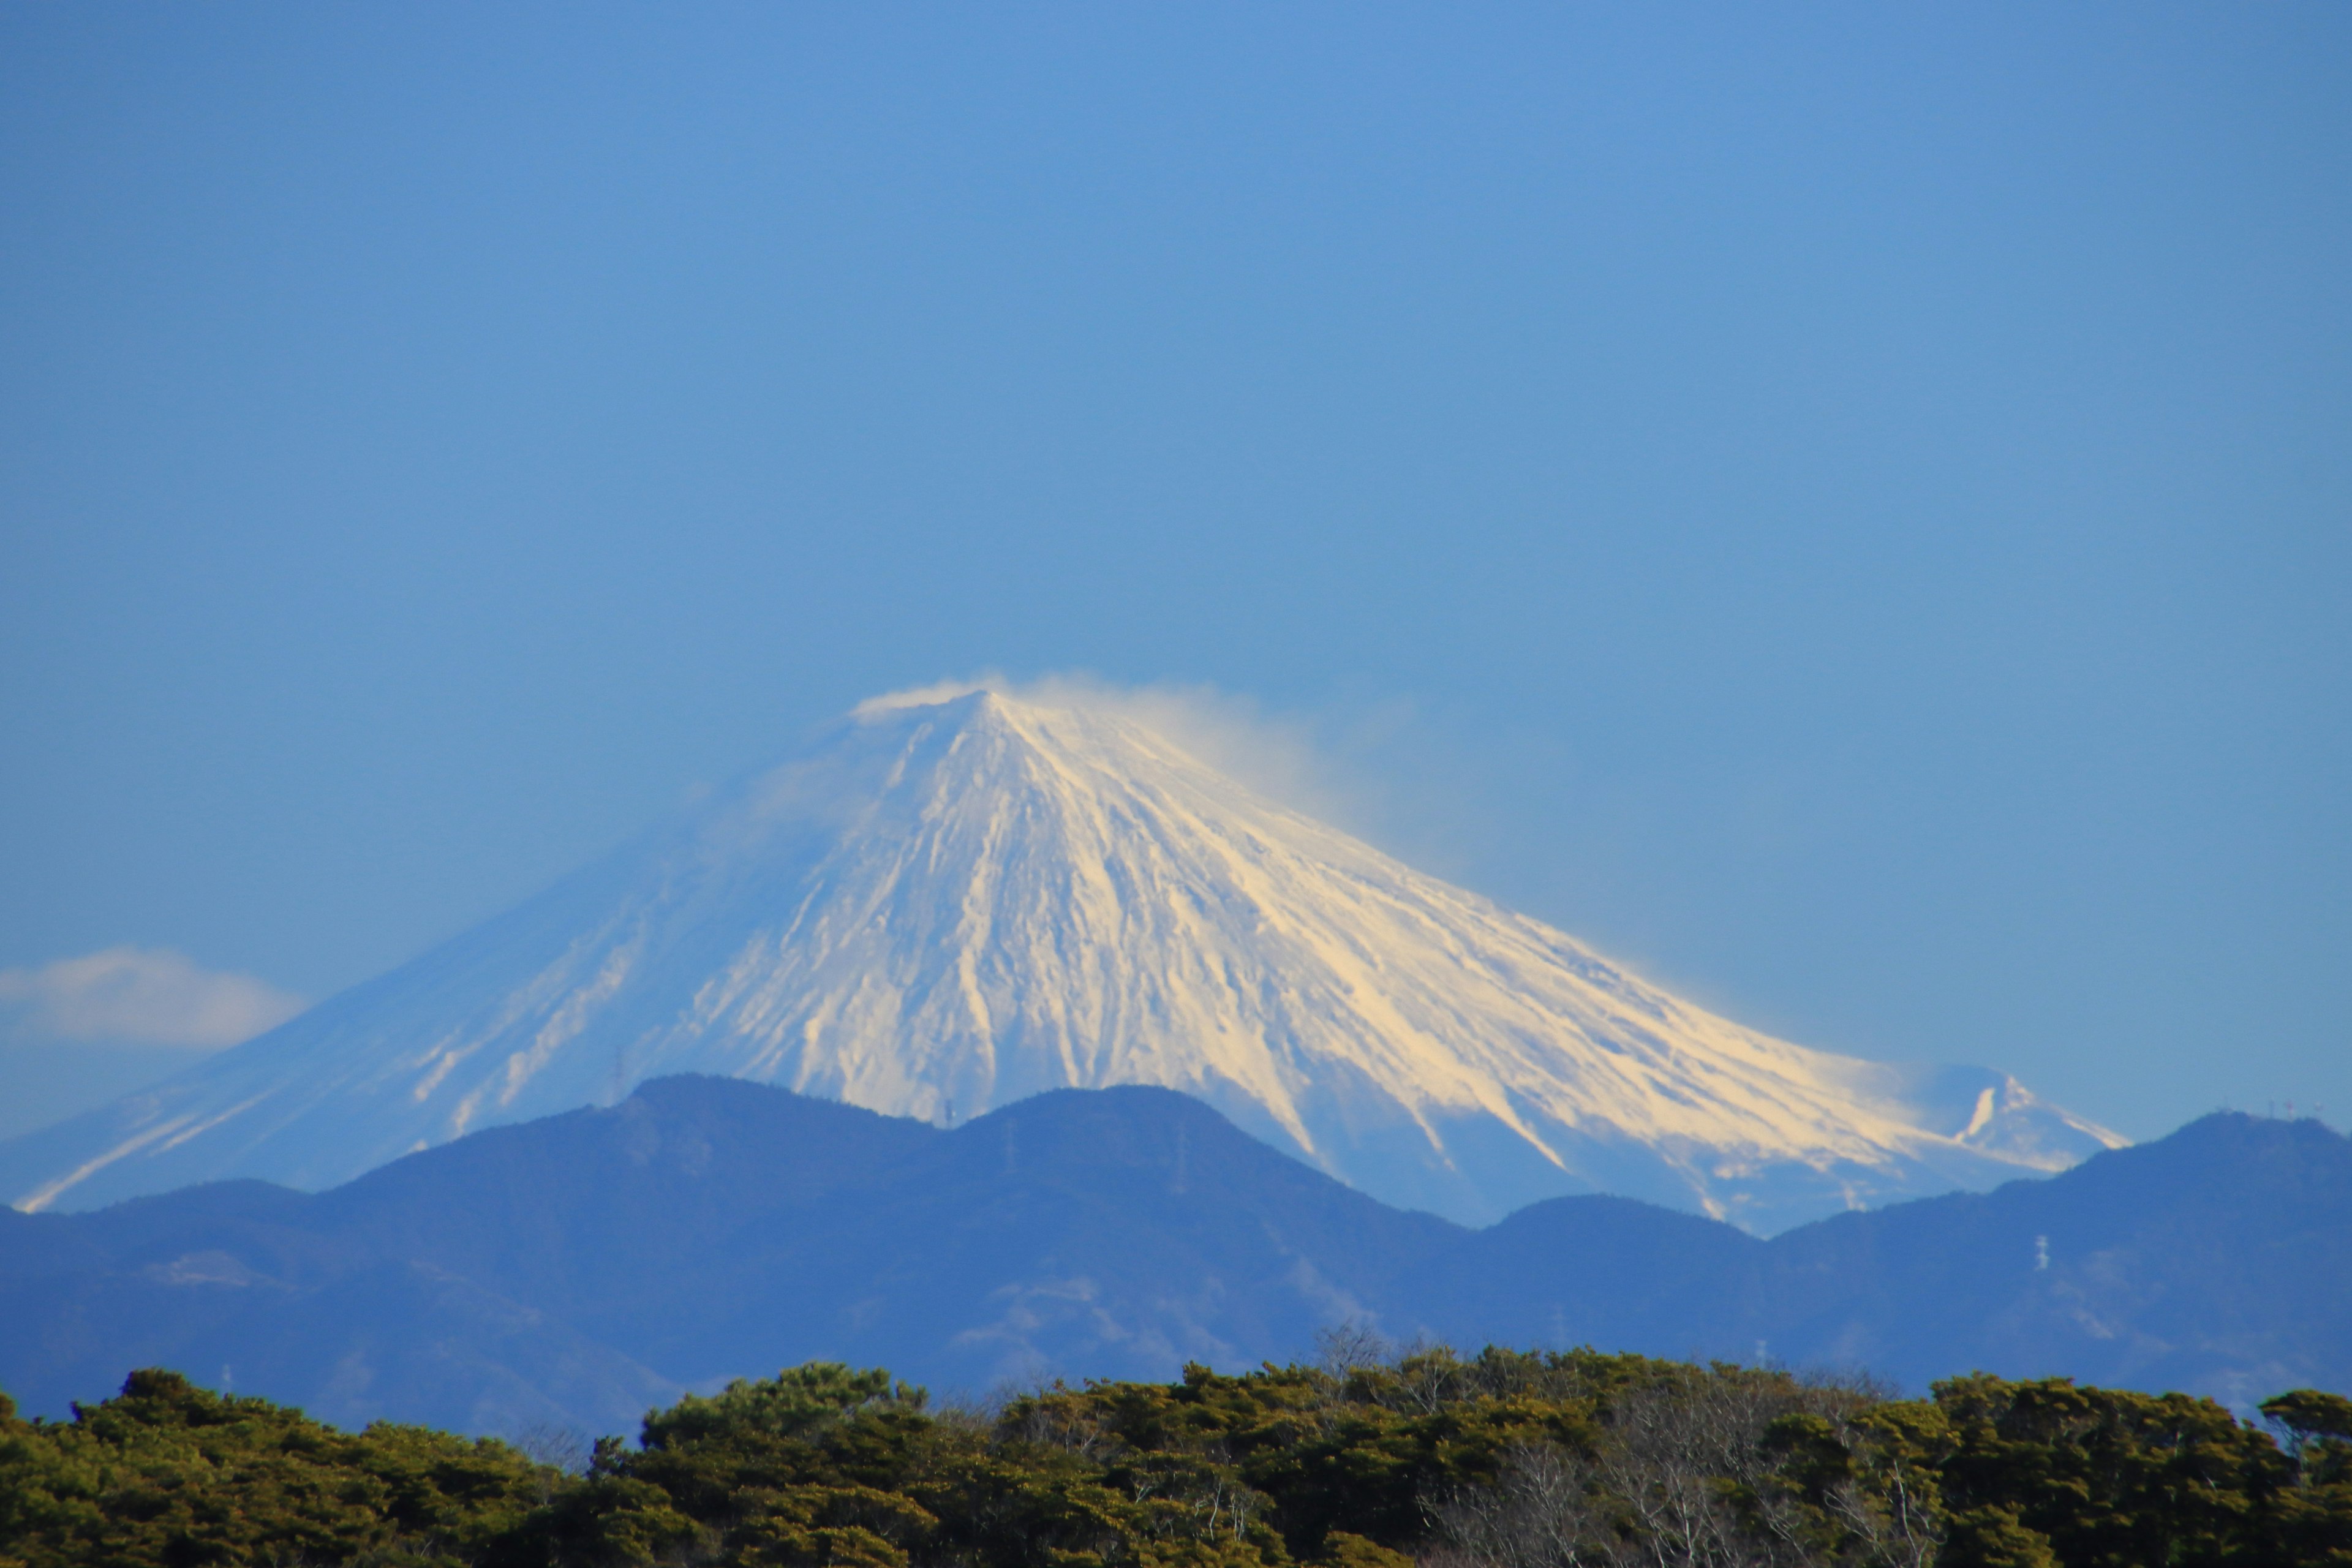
{"x":950,"y":905}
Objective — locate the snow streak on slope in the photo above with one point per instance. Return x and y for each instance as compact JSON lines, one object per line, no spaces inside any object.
{"x":953,"y":904}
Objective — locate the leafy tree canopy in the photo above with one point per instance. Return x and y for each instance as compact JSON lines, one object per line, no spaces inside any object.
{"x":1505,"y":1459}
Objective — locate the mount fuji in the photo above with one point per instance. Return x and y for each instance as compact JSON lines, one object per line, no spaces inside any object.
{"x":950,"y":904}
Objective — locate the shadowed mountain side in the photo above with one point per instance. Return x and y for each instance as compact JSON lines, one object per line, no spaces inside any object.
{"x":1111,"y":1233}
{"x":2218,"y":1261}
{"x":604,"y":1213}
{"x":715,"y":1228}
{"x":376,"y":1341}
{"x":1608,"y":1272}
{"x":1115,"y":1233}
{"x":573,"y":1270}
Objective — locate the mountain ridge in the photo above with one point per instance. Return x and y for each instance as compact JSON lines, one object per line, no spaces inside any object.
{"x":576,"y":1268}
{"x":958,"y":903}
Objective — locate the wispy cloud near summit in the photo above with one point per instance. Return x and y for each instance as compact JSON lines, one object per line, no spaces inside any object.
{"x":149,"y":996}
{"x":1284,"y":757}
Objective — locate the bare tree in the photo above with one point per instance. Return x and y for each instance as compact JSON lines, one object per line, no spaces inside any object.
{"x":1728,"y":1469}
{"x":1544,"y":1513}
{"x":1350,"y":1347}
{"x":565,"y":1449}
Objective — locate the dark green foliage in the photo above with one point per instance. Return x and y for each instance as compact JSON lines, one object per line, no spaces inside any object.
{"x":1503,"y":1460}
{"x":2309,"y":1414}
{"x":2114,"y":1477}
{"x":2318,"y":1512}
{"x":172,"y":1476}
{"x":796,"y":1402}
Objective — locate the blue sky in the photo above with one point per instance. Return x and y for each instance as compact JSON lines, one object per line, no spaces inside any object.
{"x":1849,"y":509}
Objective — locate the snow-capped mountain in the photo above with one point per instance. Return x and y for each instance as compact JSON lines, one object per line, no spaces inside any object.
{"x":949,"y":905}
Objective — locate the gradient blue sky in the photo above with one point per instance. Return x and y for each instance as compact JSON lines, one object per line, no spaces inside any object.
{"x":1848,"y":507}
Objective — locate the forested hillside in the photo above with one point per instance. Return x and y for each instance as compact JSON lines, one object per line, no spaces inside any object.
{"x":1506,"y":1460}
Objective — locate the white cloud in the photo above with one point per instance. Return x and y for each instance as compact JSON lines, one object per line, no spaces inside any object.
{"x":131,"y":995}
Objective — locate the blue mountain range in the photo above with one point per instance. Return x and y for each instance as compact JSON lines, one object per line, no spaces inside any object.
{"x":572,"y":1271}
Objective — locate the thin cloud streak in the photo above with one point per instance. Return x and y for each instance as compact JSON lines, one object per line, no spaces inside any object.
{"x":129,"y":995}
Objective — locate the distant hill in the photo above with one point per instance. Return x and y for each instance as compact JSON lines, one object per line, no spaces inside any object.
{"x":573,"y":1270}
{"x":709,"y":1228}
{"x":2218,"y":1261}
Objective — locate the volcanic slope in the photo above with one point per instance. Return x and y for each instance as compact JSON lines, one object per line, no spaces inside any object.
{"x":949,"y":905}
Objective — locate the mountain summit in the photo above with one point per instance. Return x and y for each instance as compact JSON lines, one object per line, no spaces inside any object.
{"x":949,"y":905}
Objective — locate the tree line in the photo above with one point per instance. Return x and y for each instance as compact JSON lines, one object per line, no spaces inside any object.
{"x":1367,"y":1458}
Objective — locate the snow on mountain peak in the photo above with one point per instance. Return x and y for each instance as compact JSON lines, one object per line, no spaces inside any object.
{"x":960,"y":897}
